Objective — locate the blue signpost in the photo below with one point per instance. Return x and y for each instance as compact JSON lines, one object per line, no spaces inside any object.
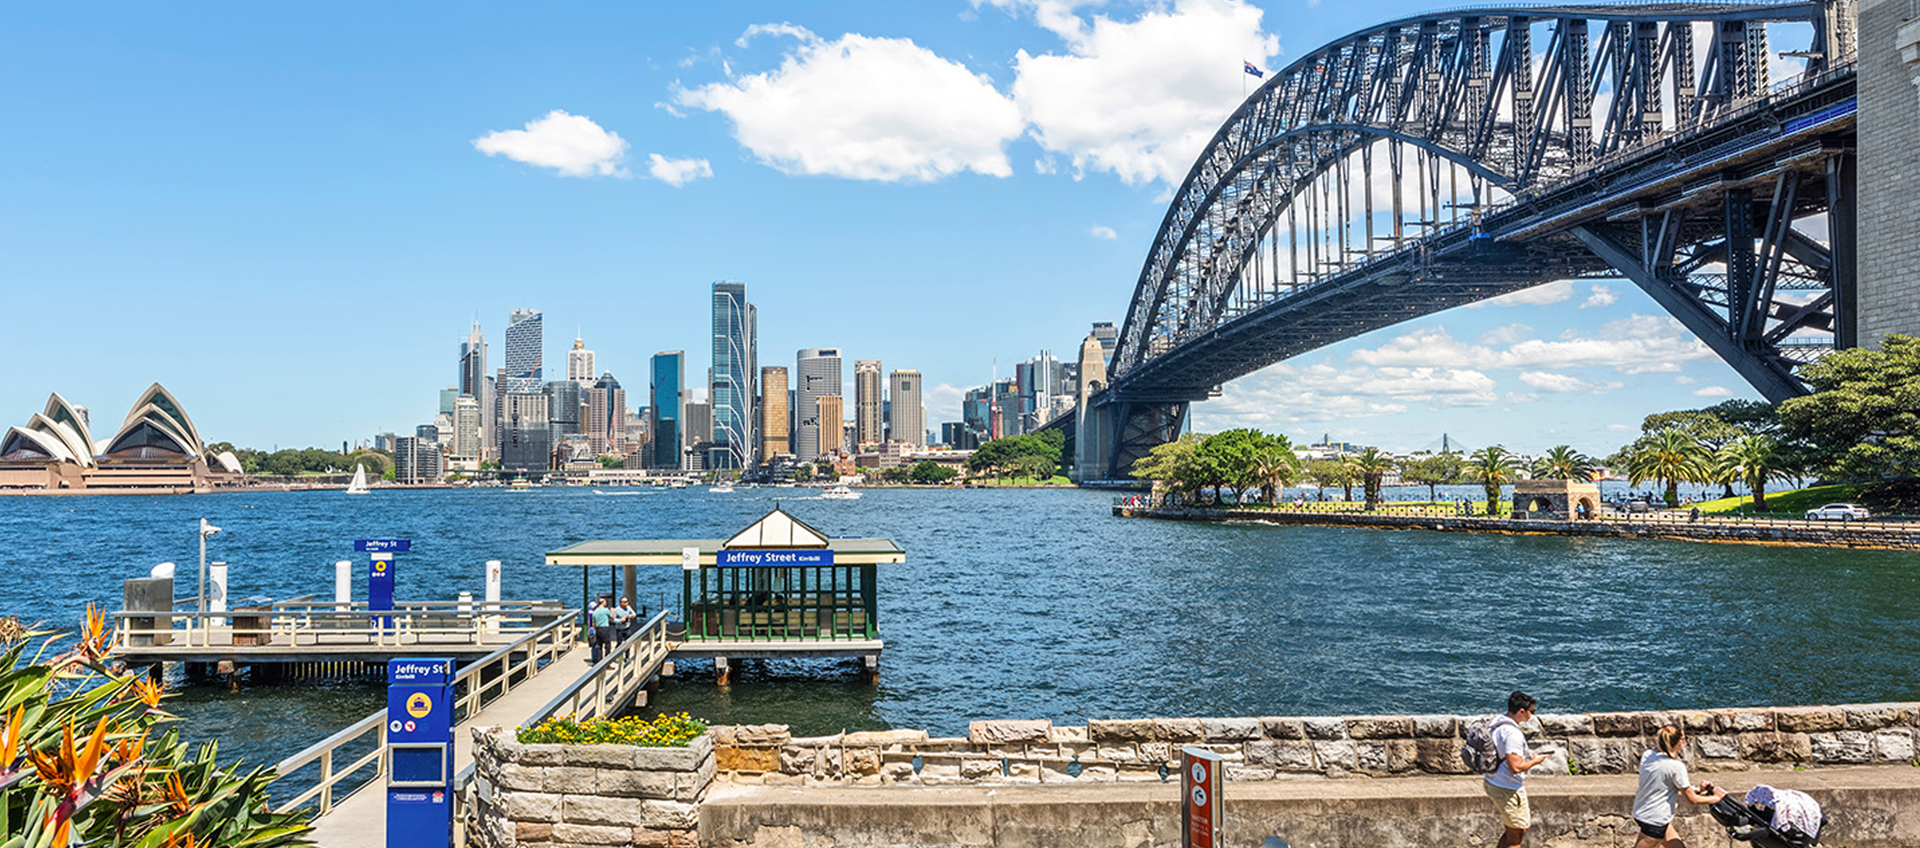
{"x":738,"y":557}
{"x":420,"y":752}
{"x":380,"y":566}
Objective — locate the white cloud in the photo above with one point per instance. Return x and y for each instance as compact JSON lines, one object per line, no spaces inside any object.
{"x":1639,"y":344}
{"x":1549,"y":381}
{"x":1141,"y":98}
{"x":1622,"y":428}
{"x":943,"y":401}
{"x":677,"y":172}
{"x":1684,"y":380}
{"x":1713,"y":392}
{"x":1600,"y":296}
{"x":572,"y":144}
{"x":865,"y":108}
{"x":1104,"y":232}
{"x":1426,"y":346}
{"x":1288,"y":393}
{"x":1505,"y":334}
{"x":1558,"y":291}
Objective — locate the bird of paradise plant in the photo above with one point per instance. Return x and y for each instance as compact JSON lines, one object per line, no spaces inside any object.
{"x":86,"y":758}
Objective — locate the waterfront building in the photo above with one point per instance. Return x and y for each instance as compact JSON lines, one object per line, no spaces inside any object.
{"x":157,"y":448}
{"x":832,"y":424}
{"x":606,"y":424}
{"x":664,"y":399}
{"x":730,"y":383}
{"x":524,"y":342}
{"x":866,"y":402}
{"x":816,"y":375}
{"x":417,"y":460}
{"x":466,"y":428}
{"x":698,"y":428}
{"x":580,"y":365}
{"x":526,"y":440}
{"x":773,"y":413}
{"x":906,"y":414}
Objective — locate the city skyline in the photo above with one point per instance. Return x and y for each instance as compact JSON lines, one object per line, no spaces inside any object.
{"x":439,"y":198}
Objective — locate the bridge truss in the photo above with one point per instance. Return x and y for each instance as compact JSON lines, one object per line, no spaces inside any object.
{"x":1444,"y":159}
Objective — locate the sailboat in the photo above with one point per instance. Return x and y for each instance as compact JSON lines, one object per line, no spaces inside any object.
{"x":359,"y":484}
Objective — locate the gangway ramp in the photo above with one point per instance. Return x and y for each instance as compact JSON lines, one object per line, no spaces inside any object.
{"x":567,"y":684}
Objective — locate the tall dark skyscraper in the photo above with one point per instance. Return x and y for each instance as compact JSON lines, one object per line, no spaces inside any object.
{"x":524,"y":340}
{"x":816,"y":374}
{"x":667,"y":402}
{"x":732,"y":390}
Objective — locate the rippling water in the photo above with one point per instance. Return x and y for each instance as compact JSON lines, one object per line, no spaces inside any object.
{"x":1037,"y":603}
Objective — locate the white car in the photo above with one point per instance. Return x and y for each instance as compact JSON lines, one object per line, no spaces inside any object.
{"x":1839,"y":511}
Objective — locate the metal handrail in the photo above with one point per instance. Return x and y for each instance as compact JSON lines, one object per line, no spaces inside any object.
{"x":475,"y":622}
{"x":627,"y":667}
{"x":558,"y":637}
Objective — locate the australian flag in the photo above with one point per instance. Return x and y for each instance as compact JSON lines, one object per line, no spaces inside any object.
{"x":1253,"y":70}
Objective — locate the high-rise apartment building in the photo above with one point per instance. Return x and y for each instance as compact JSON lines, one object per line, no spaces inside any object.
{"x":816,"y":374}
{"x":416,"y":460}
{"x":832,"y":417}
{"x":906,"y":416}
{"x":866,"y":403}
{"x":665,"y":399}
{"x":773,"y":413}
{"x":606,"y":423}
{"x":730,"y":388}
{"x":524,"y":340}
{"x":477,"y":383}
{"x":526,"y":437}
{"x":564,"y":399}
{"x":466,"y":428}
{"x":580,"y":365}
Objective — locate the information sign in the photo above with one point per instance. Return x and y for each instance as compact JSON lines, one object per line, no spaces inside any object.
{"x":804,"y":557}
{"x":380,"y":585}
{"x":371,"y":546}
{"x":419,"y":752}
{"x":1200,"y":811}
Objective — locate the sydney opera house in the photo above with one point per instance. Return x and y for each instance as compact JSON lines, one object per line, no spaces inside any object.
{"x":156,"y":449}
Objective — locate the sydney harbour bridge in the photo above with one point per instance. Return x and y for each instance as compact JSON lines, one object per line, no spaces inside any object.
{"x":1703,"y":151}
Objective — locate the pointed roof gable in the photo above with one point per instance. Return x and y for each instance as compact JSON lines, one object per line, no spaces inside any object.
{"x":777,"y":529}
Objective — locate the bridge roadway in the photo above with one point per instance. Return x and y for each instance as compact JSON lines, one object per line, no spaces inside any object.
{"x":567,"y":684}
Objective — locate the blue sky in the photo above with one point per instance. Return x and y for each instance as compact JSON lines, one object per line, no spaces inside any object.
{"x":290,"y":215}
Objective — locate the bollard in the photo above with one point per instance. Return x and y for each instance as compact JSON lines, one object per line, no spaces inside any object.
{"x":217,"y":588}
{"x":342,"y":585}
{"x":493,"y":595}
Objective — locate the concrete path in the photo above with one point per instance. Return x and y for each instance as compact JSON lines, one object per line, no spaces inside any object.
{"x":360,"y":821}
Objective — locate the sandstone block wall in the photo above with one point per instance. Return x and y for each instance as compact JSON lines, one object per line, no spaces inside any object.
{"x":587,"y":795}
{"x":1889,"y":122}
{"x":1287,"y":748}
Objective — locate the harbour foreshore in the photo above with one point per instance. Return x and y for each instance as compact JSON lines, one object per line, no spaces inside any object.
{"x":1897,"y":536}
{"x":1384,"y":781}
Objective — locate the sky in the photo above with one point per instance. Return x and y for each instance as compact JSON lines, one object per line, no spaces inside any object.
{"x":291,"y":214}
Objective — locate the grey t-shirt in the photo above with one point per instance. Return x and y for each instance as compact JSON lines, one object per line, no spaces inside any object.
{"x":1661,"y":779}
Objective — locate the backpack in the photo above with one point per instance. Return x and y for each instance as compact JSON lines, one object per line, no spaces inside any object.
{"x":1480,"y":753}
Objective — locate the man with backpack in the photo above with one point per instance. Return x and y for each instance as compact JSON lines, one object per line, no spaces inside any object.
{"x":1499,"y":750}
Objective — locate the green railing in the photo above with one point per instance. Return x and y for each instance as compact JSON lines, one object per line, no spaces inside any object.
{"x":783,"y":604}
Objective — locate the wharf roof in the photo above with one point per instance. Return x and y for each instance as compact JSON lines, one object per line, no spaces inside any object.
{"x":775,"y":531}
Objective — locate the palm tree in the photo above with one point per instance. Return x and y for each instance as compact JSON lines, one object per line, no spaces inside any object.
{"x":1671,"y":456}
{"x":1371,"y":465}
{"x":1564,"y":463}
{"x":1276,"y":467}
{"x":1333,"y":472}
{"x":1753,"y":460}
{"x":1492,"y":466}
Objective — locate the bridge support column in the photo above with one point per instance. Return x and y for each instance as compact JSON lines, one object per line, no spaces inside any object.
{"x":1092,"y":442}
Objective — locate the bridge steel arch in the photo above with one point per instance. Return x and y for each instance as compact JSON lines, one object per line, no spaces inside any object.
{"x":1646,"y":141}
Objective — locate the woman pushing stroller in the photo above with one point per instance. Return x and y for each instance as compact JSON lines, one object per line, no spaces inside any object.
{"x":1663,"y":782}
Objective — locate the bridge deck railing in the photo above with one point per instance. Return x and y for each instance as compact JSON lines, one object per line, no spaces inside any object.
{"x":475,"y":685}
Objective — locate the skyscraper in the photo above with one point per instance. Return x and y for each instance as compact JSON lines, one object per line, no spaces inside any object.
{"x":524,"y":338}
{"x":832,"y":418}
{"x":866,"y":402}
{"x":731,"y":388}
{"x":466,"y":428}
{"x":606,"y":424}
{"x":580,"y":364}
{"x":1109,"y":338}
{"x":475,"y":382}
{"x":816,"y":375}
{"x":699,"y":428}
{"x":664,"y":399}
{"x":563,"y":408}
{"x":907,"y":418}
{"x":526,"y":440}
{"x":773,"y":413}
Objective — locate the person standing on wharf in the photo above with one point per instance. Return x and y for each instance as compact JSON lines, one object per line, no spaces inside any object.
{"x":1507,"y":785}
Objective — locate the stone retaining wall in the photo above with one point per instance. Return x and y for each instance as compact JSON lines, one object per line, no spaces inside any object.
{"x":587,"y":795}
{"x":1831,"y":534}
{"x":1285,"y":748}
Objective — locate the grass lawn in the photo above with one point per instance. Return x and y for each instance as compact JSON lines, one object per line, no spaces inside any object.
{"x":1057,"y":480}
{"x":1791,"y":503}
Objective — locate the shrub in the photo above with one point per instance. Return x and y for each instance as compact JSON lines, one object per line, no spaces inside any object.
{"x":667,"y":731}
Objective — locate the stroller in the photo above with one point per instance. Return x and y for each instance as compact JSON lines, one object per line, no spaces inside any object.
{"x":1758,"y":818}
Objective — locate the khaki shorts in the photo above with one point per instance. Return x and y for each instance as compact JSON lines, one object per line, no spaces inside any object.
{"x":1512,"y":803}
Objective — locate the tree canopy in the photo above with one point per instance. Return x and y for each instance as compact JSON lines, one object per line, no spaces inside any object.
{"x":1863,"y":418}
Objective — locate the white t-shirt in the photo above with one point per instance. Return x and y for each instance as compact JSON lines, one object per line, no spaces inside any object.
{"x":1661,"y":779}
{"x":1507,"y":739}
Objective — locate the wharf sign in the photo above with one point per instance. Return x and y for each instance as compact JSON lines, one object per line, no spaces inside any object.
{"x":1200,"y":810}
{"x":781,"y":558}
{"x":380,"y":568}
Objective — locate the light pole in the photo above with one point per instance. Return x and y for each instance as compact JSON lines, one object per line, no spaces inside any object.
{"x":205,"y":531}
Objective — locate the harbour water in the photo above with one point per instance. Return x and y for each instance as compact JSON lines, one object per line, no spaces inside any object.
{"x":1038,"y":604}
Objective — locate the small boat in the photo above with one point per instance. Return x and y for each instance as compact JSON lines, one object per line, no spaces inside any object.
{"x":520,"y":483}
{"x":840,"y":493}
{"x":359,"y":484}
{"x":676,"y":483}
{"x":722,"y":489}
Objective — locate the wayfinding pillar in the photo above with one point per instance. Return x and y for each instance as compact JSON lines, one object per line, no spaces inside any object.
{"x":420,"y":753}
